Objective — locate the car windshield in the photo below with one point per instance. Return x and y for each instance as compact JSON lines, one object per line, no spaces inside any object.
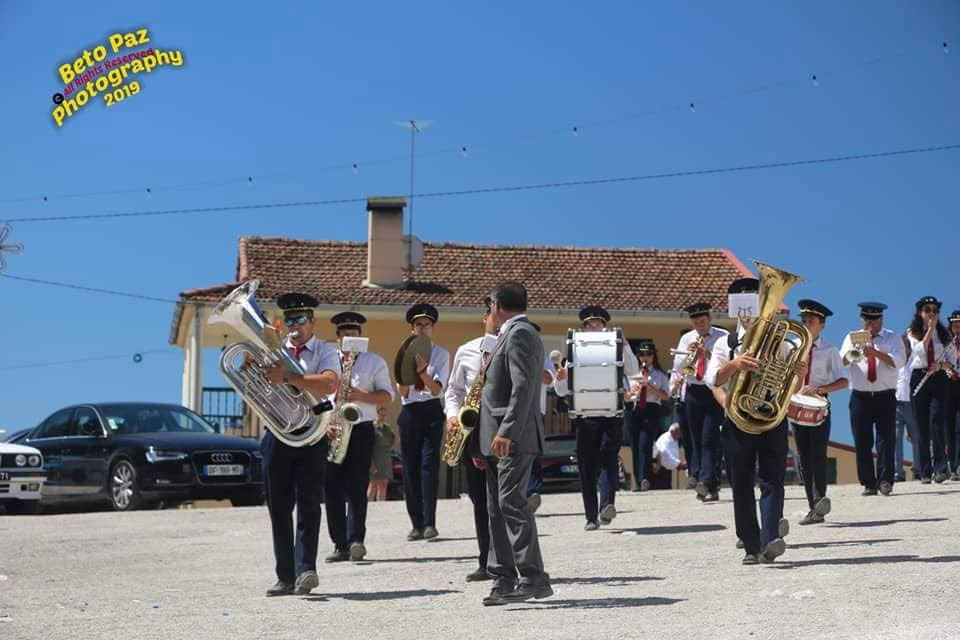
{"x":130,"y":419}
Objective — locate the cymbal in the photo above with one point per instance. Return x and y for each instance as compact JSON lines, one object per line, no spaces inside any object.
{"x":405,"y":363}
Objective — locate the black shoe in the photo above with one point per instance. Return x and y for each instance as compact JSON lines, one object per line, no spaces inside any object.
{"x":812,"y":517}
{"x":415,"y":534}
{"x":337,"y":556}
{"x":479,"y":575}
{"x":280,"y":589}
{"x":527,"y":591}
{"x":939,"y":477}
{"x":869,"y":492}
{"x":702,"y":490}
{"x":591,"y":526}
{"x":925,"y":481}
{"x":783,"y":528}
{"x":739,"y":543}
{"x":497,"y":595}
{"x":533,"y":502}
{"x":711,"y":497}
{"x":429,"y":532}
{"x":644,"y":485}
{"x":886,"y":488}
{"x":691,"y":483}
{"x":822,"y":506}
{"x":749,"y":559}
{"x":607,"y":514}
{"x":358,"y":551}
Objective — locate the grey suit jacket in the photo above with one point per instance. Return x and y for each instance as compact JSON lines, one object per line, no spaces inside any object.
{"x":510,"y":405}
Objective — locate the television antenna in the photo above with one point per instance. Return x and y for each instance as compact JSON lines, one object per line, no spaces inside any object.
{"x":415,"y":127}
{"x":14,"y":249}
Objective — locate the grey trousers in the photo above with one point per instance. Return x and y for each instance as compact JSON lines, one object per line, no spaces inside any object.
{"x":514,"y":547}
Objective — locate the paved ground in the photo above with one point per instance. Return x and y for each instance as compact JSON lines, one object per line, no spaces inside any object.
{"x":667,"y":567}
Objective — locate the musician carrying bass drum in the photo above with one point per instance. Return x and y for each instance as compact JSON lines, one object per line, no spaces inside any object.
{"x":810,"y":410}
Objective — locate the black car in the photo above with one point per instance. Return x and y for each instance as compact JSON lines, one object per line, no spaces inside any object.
{"x":133,"y":455}
{"x":559,"y":467}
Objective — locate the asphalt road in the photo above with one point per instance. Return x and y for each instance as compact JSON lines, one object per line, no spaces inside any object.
{"x":666,"y":567}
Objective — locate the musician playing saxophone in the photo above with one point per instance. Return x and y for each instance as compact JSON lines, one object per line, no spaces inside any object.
{"x":467,"y":362}
{"x":294,"y":475}
{"x":345,"y":489}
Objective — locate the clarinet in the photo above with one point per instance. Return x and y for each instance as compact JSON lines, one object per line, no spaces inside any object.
{"x":931,"y":373}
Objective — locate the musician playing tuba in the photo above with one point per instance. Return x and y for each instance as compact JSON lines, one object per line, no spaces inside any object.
{"x":463,"y":388}
{"x":746,"y":447}
{"x":347,"y":482}
{"x":294,"y":475}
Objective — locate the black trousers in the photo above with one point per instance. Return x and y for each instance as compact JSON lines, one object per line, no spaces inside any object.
{"x":294,"y":476}
{"x":749,"y":456}
{"x":477,"y":490}
{"x":644,"y":427}
{"x":421,"y":438}
{"x":705,"y":415}
{"x":812,"y":450}
{"x":346,"y":486}
{"x":690,"y":453}
{"x":869,"y":411}
{"x":598,"y":446}
{"x":929,"y":407}
{"x":953,"y":437}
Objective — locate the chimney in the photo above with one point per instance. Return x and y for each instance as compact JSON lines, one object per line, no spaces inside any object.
{"x":386,"y":246}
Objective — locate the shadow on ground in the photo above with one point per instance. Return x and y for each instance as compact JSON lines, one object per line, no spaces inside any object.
{"x":379,"y":595}
{"x":822,"y":562}
{"x":670,"y":529}
{"x":602,"y":603}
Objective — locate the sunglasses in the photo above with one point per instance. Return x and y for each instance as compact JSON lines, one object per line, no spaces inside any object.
{"x":296,"y":320}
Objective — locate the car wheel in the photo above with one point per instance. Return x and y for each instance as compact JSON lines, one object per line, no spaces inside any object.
{"x":250,"y":499}
{"x":123,"y":492}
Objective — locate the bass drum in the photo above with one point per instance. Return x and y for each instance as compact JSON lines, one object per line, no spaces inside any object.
{"x":807,"y":411}
{"x":595,"y":372}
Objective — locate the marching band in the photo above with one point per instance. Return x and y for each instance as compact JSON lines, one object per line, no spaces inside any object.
{"x":739,"y":394}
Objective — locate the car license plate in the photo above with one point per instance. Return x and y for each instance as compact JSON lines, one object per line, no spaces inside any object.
{"x":4,"y":475}
{"x":568,"y":468}
{"x":223,"y":470}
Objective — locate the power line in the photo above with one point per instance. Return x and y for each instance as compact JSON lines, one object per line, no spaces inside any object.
{"x":79,"y":287}
{"x":576,"y":127}
{"x":503,"y":189}
{"x":136,"y":357}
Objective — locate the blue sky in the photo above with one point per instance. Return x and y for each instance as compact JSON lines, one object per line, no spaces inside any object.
{"x":293,"y":94}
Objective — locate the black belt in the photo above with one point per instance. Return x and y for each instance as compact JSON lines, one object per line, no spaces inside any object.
{"x":874,"y":394}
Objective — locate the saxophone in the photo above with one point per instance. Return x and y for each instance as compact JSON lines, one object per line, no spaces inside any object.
{"x":455,"y":438}
{"x":346,"y":414}
{"x":758,"y":401}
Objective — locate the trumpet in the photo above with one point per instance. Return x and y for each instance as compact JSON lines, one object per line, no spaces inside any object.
{"x":689,"y":367}
{"x":860,"y":340}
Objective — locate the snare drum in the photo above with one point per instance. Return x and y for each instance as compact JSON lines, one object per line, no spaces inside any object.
{"x":595,"y":371}
{"x":807,"y":411}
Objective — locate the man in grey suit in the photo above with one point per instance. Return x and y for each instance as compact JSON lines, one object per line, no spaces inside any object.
{"x":511,"y":438}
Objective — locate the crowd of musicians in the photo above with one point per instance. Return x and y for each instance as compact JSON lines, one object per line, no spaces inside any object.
{"x":900,"y":383}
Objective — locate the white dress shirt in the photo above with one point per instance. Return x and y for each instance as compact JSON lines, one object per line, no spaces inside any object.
{"x":657,"y":379}
{"x":687,"y":340}
{"x":917,"y":358}
{"x":719,"y":356}
{"x":439,"y":369}
{"x":903,"y":384}
{"x":369,"y":373}
{"x":887,"y":342}
{"x":826,"y":366}
{"x":466,"y":364}
{"x":552,"y":370}
{"x":668,"y":449}
{"x":316,"y":356}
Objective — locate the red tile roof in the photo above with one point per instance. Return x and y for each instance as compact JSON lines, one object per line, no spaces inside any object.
{"x":460,"y":275}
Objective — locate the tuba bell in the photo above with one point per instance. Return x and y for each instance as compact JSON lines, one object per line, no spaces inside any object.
{"x":295,"y":416}
{"x":757,"y":401}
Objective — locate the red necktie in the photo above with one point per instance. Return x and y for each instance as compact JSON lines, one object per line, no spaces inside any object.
{"x":701,"y":367}
{"x":418,"y":385}
{"x":806,"y":380}
{"x":871,"y":367}
{"x":642,"y":400}
{"x":297,"y":350}
{"x":930,"y":353}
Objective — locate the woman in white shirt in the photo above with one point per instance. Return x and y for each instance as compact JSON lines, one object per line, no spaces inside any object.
{"x":642,"y":411}
{"x":931,"y":353}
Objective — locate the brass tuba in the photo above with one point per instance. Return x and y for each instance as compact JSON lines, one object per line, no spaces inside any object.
{"x":295,"y":416}
{"x":757,"y":401}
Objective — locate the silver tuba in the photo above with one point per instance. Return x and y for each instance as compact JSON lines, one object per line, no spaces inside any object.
{"x":295,"y":416}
